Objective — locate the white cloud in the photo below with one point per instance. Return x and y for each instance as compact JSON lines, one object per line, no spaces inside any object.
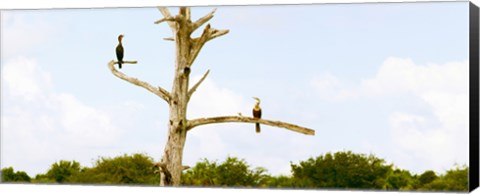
{"x":397,"y":75}
{"x":23,"y":79}
{"x":41,"y":126}
{"x":82,"y":124}
{"x":430,"y":148}
{"x":212,"y":100}
{"x":444,"y":87}
{"x":419,"y":142}
{"x":449,"y":107}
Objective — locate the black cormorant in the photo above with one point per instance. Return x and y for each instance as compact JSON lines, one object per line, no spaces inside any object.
{"x":119,"y":51}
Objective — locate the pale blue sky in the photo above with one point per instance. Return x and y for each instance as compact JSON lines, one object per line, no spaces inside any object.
{"x":389,"y":79}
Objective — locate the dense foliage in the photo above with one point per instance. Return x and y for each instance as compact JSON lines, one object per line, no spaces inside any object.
{"x":232,"y":172}
{"x":9,"y":175}
{"x":135,"y":169}
{"x":63,"y":171}
{"x":454,"y":180}
{"x":340,"y":170}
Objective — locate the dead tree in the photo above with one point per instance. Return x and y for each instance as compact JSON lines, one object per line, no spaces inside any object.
{"x":186,"y":50}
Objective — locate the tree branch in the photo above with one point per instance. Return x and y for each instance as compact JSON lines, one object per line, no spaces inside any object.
{"x":166,"y":19}
{"x":188,"y":14}
{"x":166,"y":14}
{"x":242,"y":119}
{"x":218,"y":33}
{"x":192,"y":90}
{"x":159,"y":91}
{"x":203,"y":20}
{"x":207,"y":35}
{"x":124,"y":62}
{"x":198,"y":44}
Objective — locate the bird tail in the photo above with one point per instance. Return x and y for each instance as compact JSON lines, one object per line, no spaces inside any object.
{"x":120,"y":64}
{"x":257,"y":127}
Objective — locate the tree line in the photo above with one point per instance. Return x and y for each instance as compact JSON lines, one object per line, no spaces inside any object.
{"x":340,"y":170}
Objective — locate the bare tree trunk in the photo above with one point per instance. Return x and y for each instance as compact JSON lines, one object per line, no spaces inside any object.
{"x":177,"y":132}
{"x":186,"y":50}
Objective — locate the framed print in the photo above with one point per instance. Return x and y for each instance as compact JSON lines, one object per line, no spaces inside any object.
{"x":323,"y":96}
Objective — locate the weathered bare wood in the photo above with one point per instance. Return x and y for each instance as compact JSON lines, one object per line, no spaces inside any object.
{"x":159,"y":91}
{"x":164,"y":174}
{"x":167,"y":14}
{"x":241,"y":119}
{"x":198,"y":44}
{"x":207,"y":35}
{"x":188,"y":14}
{"x":177,"y":133}
{"x":194,"y":88}
{"x":185,"y":13}
{"x":218,"y":33}
{"x":169,"y":39}
{"x":203,"y":20}
{"x":169,"y":19}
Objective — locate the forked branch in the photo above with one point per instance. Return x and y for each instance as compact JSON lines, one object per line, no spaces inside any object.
{"x":194,"y":88}
{"x":159,"y":91}
{"x":203,"y":20}
{"x":207,"y":35}
{"x":241,"y":119}
{"x":166,"y":14}
{"x":166,"y":19}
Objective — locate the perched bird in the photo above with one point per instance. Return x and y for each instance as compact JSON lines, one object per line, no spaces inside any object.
{"x":119,"y":51}
{"x":257,"y":113}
